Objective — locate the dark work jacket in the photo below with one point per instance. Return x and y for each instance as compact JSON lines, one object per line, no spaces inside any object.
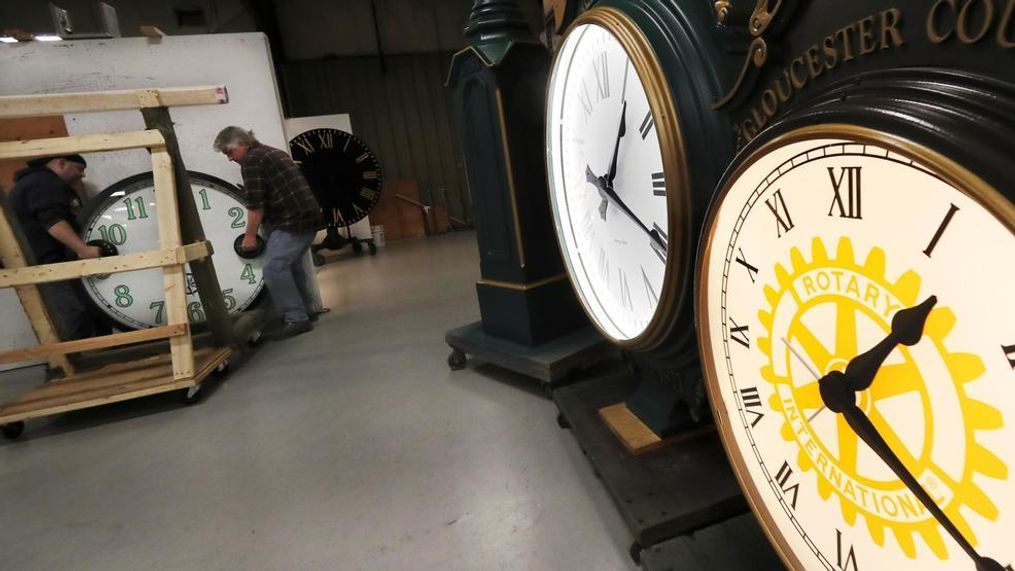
{"x":40,"y":199}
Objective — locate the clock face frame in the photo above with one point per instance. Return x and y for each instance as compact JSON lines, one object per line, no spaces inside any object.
{"x":125,"y":215}
{"x":620,"y":239}
{"x":813,"y":244}
{"x":343,"y":172}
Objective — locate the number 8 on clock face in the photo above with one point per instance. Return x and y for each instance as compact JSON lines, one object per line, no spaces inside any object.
{"x":125,"y":215}
{"x":815,"y":243}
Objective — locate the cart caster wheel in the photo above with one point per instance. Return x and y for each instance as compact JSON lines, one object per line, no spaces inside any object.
{"x":319,"y":260}
{"x":256,"y":339}
{"x":373,"y":248}
{"x":13,"y":429}
{"x":357,"y":248}
{"x":635,"y":552}
{"x":562,"y":421}
{"x":456,"y":360}
{"x":222,"y":371}
{"x":192,"y":395}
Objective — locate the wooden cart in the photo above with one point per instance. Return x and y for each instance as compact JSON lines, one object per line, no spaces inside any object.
{"x":182,"y":367}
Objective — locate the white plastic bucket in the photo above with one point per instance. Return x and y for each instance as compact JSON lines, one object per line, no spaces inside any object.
{"x":378,"y":234}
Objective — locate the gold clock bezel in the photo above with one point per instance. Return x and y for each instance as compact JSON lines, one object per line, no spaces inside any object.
{"x":678,"y":274}
{"x":948,"y":170}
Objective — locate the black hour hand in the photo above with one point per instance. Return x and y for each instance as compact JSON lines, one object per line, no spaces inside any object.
{"x":907,"y":329}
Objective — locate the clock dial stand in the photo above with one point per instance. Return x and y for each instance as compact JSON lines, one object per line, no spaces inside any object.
{"x":634,"y":151}
{"x":346,"y":178}
{"x":334,"y":240}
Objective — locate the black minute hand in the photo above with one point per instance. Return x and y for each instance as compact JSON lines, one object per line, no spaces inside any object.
{"x":841,"y":401}
{"x":608,"y":195}
{"x":838,"y":391}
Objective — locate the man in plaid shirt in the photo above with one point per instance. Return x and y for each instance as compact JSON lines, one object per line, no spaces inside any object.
{"x":279,"y":200}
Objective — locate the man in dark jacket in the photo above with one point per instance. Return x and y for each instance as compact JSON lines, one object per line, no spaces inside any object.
{"x":46,"y":205}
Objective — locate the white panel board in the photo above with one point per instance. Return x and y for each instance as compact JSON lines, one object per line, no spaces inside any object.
{"x":241,"y":62}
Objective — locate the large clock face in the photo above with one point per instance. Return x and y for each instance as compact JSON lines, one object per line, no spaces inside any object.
{"x":818,"y":242}
{"x":126,"y":215}
{"x":342,"y":171}
{"x":607,"y":185}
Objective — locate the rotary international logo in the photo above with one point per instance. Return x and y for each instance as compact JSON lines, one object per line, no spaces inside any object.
{"x":818,"y":313}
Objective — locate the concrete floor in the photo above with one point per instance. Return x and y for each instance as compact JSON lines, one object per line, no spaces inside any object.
{"x":351,"y":447}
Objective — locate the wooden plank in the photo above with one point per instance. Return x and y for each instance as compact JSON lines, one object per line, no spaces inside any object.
{"x":173,"y":278}
{"x":60,"y":103}
{"x":113,"y":340}
{"x":111,"y":265}
{"x":636,"y":437}
{"x":69,"y":394}
{"x":31,"y":301}
{"x":151,"y":32}
{"x":81,"y":144}
{"x":187,"y":221}
{"x":106,"y":377}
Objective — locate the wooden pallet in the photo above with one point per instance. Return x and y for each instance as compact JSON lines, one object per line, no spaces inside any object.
{"x":182,"y":367}
{"x":112,"y":383}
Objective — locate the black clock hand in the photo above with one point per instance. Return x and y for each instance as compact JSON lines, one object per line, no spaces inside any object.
{"x":612,"y":174}
{"x":592,"y":178}
{"x":608,"y":195}
{"x":652,"y":234}
{"x":907,"y":328}
{"x":838,"y":397}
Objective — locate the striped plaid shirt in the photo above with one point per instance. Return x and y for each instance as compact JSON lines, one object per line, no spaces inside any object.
{"x":274,"y":183}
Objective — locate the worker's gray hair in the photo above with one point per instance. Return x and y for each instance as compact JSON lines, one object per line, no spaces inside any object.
{"x":233,"y":136}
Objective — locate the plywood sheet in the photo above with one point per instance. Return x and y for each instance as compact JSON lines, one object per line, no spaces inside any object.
{"x":23,"y":129}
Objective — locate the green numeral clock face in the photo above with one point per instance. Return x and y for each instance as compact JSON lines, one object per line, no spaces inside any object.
{"x":341,"y":170}
{"x":855,"y":309}
{"x":125,"y":215}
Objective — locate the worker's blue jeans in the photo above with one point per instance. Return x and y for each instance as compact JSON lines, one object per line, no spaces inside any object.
{"x":284,"y":272}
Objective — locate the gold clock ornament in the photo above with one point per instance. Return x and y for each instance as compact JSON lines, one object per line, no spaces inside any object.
{"x":857,"y":332}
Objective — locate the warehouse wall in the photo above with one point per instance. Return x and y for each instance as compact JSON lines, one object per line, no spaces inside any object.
{"x":401,"y":110}
{"x":310,"y":29}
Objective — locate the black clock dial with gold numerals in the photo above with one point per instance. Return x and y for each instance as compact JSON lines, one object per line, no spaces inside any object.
{"x":342,"y":171}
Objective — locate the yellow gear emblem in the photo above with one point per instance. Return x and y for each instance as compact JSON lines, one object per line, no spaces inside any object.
{"x":834,"y":301}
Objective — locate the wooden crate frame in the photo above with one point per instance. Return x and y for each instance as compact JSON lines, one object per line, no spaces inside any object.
{"x":181,"y":368}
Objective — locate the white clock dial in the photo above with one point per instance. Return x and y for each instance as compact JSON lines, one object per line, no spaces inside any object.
{"x":610,"y":217}
{"x":817,"y":243}
{"x":127,"y":218}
